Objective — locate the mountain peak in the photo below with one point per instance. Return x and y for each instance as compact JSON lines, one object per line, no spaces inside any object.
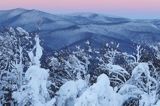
{"x":15,"y":9}
{"x":19,"y":9}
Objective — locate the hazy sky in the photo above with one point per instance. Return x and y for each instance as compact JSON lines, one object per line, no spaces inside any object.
{"x":129,"y":8}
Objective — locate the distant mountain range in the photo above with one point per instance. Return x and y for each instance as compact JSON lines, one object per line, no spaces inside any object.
{"x":63,"y":31}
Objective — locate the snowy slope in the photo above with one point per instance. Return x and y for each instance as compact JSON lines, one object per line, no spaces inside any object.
{"x":60,"y":31}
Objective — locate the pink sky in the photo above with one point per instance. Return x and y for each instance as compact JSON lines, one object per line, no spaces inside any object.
{"x":124,"y":7}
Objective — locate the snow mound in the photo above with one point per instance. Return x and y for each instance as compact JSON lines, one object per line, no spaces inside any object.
{"x":69,"y":92}
{"x":100,"y":94}
{"x":141,"y":68}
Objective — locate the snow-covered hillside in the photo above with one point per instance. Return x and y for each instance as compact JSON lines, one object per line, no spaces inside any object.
{"x":74,"y":28}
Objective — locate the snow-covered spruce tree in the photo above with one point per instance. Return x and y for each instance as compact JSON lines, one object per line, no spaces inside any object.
{"x":34,"y":92}
{"x":141,"y":86}
{"x":156,"y":49}
{"x":139,"y":53}
{"x":117,"y":74}
{"x":154,"y":62}
{"x":68,"y":66}
{"x":73,"y":76}
{"x":15,"y":43}
{"x":74,"y":66}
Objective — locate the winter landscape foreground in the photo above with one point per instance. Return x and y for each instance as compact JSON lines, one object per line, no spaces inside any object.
{"x":81,"y":72}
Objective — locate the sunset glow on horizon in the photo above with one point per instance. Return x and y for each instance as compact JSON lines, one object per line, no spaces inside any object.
{"x":124,"y":7}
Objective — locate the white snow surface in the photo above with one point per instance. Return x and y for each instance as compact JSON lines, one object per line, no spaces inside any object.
{"x":36,"y":88}
{"x":22,"y":31}
{"x":100,"y":94}
{"x":69,"y":92}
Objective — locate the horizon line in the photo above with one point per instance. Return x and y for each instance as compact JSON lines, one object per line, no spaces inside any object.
{"x":67,"y":12}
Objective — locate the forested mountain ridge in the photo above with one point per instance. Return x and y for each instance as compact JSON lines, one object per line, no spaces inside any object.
{"x":74,"y":28}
